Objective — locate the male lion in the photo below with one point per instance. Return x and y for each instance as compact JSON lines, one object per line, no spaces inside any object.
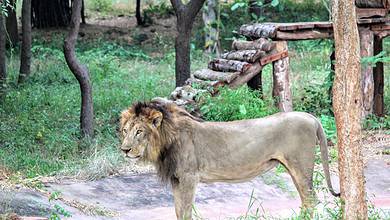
{"x":187,"y":150}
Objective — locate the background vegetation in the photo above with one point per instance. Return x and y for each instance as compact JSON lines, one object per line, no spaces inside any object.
{"x":39,"y":119}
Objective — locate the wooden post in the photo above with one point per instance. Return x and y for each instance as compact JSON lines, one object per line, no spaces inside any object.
{"x":281,"y":81}
{"x":367,"y":50}
{"x":378,"y":79}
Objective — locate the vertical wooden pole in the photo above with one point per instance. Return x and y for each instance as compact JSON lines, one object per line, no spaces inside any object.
{"x":378,"y":79}
{"x":367,"y":50}
{"x":281,"y":81}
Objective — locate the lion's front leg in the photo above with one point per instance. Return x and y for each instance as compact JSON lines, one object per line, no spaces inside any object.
{"x":184,"y":195}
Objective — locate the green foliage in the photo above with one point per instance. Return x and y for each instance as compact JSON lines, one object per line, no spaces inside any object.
{"x":101,"y":5}
{"x":39,"y":129}
{"x":315,"y":99}
{"x":57,"y":210}
{"x":329,"y":125}
{"x":373,"y":122}
{"x":162,"y":10}
{"x":276,"y":11}
{"x":229,"y":105}
{"x":372,"y":61}
{"x":3,"y":7}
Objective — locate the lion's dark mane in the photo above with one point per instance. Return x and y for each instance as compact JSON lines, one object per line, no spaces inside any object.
{"x":166,"y":163}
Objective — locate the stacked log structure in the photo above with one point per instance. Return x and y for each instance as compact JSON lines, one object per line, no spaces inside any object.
{"x":235,"y":68}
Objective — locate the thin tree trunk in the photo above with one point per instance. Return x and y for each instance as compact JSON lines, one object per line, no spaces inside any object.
{"x":185,"y":14}
{"x":3,"y":67}
{"x":138,"y":14}
{"x":80,"y":72}
{"x":12,"y":24}
{"x":183,"y":60}
{"x":347,"y":103}
{"x":210,"y":19}
{"x":83,"y":13}
{"x":25,"y":55}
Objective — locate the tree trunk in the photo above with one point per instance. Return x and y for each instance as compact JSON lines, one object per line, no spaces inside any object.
{"x":25,"y":55}
{"x":138,"y":14}
{"x":50,"y":13}
{"x":347,"y":103}
{"x":3,"y":39}
{"x":378,"y":80}
{"x":80,"y":72}
{"x":210,"y":20}
{"x":185,"y":14}
{"x":12,"y":24}
{"x":83,"y":13}
{"x":183,"y":61}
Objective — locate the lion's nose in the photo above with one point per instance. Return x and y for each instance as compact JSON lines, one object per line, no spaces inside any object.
{"x":125,"y":148}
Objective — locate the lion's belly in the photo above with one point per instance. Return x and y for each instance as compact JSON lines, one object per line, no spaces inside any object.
{"x":236,"y":174}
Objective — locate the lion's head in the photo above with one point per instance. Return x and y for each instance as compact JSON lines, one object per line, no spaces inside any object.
{"x":149,"y":131}
{"x":145,"y":129}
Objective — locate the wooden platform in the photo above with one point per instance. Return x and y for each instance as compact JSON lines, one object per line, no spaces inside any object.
{"x":304,"y":30}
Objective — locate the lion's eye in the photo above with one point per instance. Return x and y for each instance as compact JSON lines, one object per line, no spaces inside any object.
{"x":138,"y":132}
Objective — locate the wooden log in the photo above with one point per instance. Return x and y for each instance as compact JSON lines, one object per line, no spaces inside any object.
{"x":255,"y":31}
{"x":277,"y":53}
{"x":203,"y":84}
{"x":373,"y":20}
{"x":259,"y":44}
{"x":367,"y":50}
{"x":186,"y":93}
{"x":281,"y":82}
{"x":304,"y":34}
{"x":371,"y":12}
{"x":250,"y":56}
{"x":211,"y":75}
{"x":225,"y":65}
{"x":371,"y":3}
{"x":244,"y":77}
{"x":378,"y":108}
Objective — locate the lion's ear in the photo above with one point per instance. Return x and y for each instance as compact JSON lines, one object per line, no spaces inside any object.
{"x":156,"y":118}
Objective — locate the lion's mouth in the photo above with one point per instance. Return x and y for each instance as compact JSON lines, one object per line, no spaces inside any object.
{"x":131,"y":156}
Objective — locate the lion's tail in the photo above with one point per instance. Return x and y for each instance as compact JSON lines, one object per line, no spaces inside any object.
{"x":324,"y":156}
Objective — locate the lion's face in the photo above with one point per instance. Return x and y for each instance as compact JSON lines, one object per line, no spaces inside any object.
{"x":138,"y":133}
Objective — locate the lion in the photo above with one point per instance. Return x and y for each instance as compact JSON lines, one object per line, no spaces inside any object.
{"x":187,"y":150}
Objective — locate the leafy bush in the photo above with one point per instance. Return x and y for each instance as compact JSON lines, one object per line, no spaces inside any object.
{"x":315,"y":99}
{"x":373,"y":122}
{"x":237,"y":104}
{"x":101,"y":5}
{"x":329,"y":125}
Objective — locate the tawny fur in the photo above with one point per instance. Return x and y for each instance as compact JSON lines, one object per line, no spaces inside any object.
{"x":186,"y":150}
